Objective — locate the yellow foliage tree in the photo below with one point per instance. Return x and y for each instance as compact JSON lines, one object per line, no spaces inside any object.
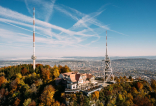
{"x":47,"y":95}
{"x":118,"y":80}
{"x":95,"y":95}
{"x":56,"y":73}
{"x":134,"y":90}
{"x":129,"y":96}
{"x":56,"y":103}
{"x":18,"y":75}
{"x":27,"y":102}
{"x":120,"y":97}
{"x":65,"y":69}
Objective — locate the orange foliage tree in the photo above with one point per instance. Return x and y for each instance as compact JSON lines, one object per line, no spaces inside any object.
{"x":2,"y":80}
{"x":134,"y":90}
{"x":56,"y":103}
{"x":2,"y":92}
{"x":142,"y":101}
{"x":153,"y":84}
{"x":24,"y":71}
{"x":45,"y":74}
{"x":33,"y":103}
{"x":95,"y":95}
{"x":17,"y":102}
{"x":139,"y":85}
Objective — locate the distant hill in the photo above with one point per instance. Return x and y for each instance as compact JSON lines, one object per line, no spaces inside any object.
{"x":80,"y":58}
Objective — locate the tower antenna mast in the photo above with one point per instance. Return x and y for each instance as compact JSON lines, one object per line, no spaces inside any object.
{"x":33,"y":56}
{"x":108,"y":73}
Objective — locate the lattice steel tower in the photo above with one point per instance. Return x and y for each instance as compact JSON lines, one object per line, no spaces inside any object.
{"x":33,"y":56}
{"x":108,"y":73}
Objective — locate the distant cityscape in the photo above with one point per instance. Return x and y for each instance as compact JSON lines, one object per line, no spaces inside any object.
{"x":135,"y":67}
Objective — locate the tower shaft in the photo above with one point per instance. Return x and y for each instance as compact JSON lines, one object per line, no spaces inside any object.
{"x":106,"y":43}
{"x":33,"y":56}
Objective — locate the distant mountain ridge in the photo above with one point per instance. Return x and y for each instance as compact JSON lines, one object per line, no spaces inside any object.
{"x":77,"y":58}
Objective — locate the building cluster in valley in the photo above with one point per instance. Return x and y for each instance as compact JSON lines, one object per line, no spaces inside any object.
{"x":144,"y":68}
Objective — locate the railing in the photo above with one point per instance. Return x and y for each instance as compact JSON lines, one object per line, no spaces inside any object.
{"x":87,"y":92}
{"x":72,"y":90}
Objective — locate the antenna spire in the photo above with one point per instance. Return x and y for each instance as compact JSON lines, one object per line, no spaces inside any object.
{"x":106,"y":43}
{"x":108,"y":72}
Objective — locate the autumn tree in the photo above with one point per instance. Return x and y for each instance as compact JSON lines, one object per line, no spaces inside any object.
{"x":134,"y":91}
{"x":118,"y":80}
{"x":14,"y":83}
{"x":129,"y":96}
{"x":86,"y":101}
{"x":115,"y":78}
{"x":2,"y":80}
{"x":153,"y":84}
{"x":95,"y":95}
{"x":65,"y":69}
{"x":47,"y":66}
{"x":2,"y":93}
{"x":18,"y":75}
{"x":24,"y":71}
{"x":56,"y":73}
{"x":56,"y":103}
{"x":33,"y":103}
{"x":139,"y":85}
{"x":45,"y":74}
{"x":73,"y":97}
{"x":27,"y":102}
{"x":38,"y":82}
{"x":60,"y":68}
{"x":17,"y":102}
{"x":144,"y":101}
{"x":124,"y":77}
{"x":120,"y":98}
{"x":47,"y":95}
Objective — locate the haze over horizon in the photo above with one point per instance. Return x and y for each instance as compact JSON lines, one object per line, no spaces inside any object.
{"x":77,"y":28}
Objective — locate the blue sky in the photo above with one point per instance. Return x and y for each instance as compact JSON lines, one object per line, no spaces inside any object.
{"x":77,"y":28}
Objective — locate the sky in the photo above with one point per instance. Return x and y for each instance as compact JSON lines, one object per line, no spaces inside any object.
{"x":77,"y":28}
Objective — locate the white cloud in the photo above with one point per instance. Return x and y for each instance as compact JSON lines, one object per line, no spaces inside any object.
{"x":68,"y":37}
{"x":79,"y":32}
{"x":87,"y":19}
{"x":45,"y":10}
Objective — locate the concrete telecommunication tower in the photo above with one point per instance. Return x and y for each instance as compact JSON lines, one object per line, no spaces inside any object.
{"x":33,"y":56}
{"x":108,"y":73}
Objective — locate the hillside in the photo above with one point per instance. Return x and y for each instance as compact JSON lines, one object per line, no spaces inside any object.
{"x":22,"y":86}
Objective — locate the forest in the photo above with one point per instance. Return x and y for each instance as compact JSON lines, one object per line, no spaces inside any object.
{"x":22,"y":86}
